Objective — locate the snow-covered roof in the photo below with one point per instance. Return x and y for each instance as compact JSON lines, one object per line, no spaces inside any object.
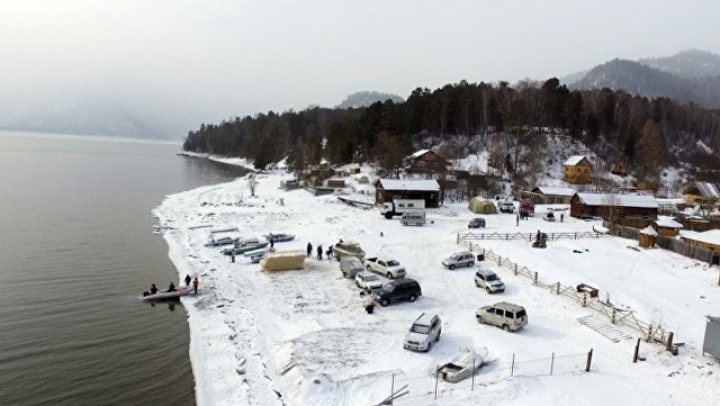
{"x":421,"y":152}
{"x":648,"y":231}
{"x":710,"y":237}
{"x":669,"y":223}
{"x":603,"y":199}
{"x":556,"y":191}
{"x":706,"y":189}
{"x":574,"y":160}
{"x":406,"y":184}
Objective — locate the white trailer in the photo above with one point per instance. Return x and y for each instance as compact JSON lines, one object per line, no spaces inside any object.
{"x":398,"y":207}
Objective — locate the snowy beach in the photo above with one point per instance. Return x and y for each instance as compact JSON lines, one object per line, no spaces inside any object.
{"x":303,"y":337}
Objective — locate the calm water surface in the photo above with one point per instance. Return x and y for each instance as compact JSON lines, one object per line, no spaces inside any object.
{"x":76,"y":250}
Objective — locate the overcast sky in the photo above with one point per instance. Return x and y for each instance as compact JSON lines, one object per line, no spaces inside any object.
{"x":203,"y":60}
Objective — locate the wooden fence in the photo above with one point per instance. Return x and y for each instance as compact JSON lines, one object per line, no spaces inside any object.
{"x":620,"y":317}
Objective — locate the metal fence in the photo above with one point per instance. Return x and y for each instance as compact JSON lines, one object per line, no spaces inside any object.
{"x":528,"y":237}
{"x":617,"y":316}
{"x":406,"y":390}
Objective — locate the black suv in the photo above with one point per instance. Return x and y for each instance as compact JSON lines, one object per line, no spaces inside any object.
{"x":399,"y":289}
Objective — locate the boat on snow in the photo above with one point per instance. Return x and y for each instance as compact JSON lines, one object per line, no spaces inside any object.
{"x":163,"y":294}
{"x":463,"y":365}
{"x":281,"y":237}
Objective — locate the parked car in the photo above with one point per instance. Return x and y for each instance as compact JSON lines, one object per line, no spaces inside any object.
{"x":423,"y":333}
{"x":399,"y":289}
{"x":385,"y":266}
{"x":350,"y":266}
{"x":510,"y":317}
{"x":459,"y":259}
{"x":488,"y":280}
{"x":413,"y":219}
{"x":367,"y":281}
{"x":477,"y":222}
{"x":507,"y":207}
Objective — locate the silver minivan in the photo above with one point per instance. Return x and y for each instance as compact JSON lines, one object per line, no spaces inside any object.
{"x":423,"y":333}
{"x":508,"y":316}
{"x":413,"y":219}
{"x":350,"y":266}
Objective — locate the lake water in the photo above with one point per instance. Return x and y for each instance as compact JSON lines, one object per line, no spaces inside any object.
{"x":76,"y":251}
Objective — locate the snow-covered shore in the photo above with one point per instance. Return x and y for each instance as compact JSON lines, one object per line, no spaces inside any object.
{"x":302,"y":337}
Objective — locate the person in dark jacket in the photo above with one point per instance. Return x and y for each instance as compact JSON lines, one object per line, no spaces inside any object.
{"x":309,"y":250}
{"x":171,"y":288}
{"x":188,"y":279}
{"x":153,"y":289}
{"x":319,"y":251}
{"x":272,"y":241}
{"x":329,"y":252}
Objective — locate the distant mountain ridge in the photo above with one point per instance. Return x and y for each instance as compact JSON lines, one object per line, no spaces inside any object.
{"x":688,"y":76}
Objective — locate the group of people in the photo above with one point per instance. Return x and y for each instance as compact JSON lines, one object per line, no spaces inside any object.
{"x":328,"y":252}
{"x":172,"y":288}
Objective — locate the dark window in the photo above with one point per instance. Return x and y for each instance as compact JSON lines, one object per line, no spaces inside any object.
{"x":521,"y":313}
{"x":500,"y":312}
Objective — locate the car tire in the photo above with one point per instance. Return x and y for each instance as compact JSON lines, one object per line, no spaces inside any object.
{"x":368,"y":267}
{"x":470,"y":264}
{"x":389,"y":275}
{"x":487,"y":290}
{"x":506,"y":327}
{"x":452,"y":266}
{"x":480,"y":319}
{"x":384,"y":303}
{"x":438,"y":336}
{"x":412,"y":298}
{"x":388,"y":216}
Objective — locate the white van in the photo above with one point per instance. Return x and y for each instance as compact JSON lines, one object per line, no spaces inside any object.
{"x":413,"y":219}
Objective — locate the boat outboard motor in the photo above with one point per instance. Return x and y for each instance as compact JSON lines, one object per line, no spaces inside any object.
{"x":146,"y":293}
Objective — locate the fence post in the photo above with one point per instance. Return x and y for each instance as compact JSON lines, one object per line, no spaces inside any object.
{"x":392,"y":389}
{"x":499,"y":259}
{"x":552,"y":363}
{"x":437,"y":375}
{"x":584,"y":302}
{"x":515,"y":270}
{"x":535,"y":277}
{"x":457,"y":241}
{"x":650,"y":333}
{"x":557,"y":290}
{"x":637,"y":350}
{"x":589,"y":361}
{"x":512,"y":366}
{"x":472,"y":385}
{"x":669,"y":345}
{"x":612,"y":319}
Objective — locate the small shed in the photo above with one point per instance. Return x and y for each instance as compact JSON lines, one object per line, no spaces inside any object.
{"x":387,"y":190}
{"x":667,"y":227}
{"x":478,"y":205}
{"x":647,"y":236}
{"x":709,"y":240}
{"x":577,"y":169}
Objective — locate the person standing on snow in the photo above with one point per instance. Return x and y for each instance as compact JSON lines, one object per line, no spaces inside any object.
{"x":309,"y":250}
{"x":319,"y":251}
{"x":187,"y":280}
{"x":196,"y":283}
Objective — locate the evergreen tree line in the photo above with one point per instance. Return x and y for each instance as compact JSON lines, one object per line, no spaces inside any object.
{"x":645,"y":133}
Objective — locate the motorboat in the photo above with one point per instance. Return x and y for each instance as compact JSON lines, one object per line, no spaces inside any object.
{"x":164,"y":294}
{"x":281,"y":237}
{"x":348,"y":249}
{"x":242,"y":249}
{"x":463,"y":365}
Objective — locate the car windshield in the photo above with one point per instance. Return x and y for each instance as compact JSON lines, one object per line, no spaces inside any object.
{"x":491,"y":277}
{"x":389,"y":288}
{"x":416,"y":328}
{"x":392,"y":262}
{"x":454,"y":256}
{"x":520,"y":314}
{"x":370,"y":278}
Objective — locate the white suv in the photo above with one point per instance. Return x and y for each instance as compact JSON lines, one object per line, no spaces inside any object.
{"x":367,"y":281}
{"x":424,"y":332}
{"x":488,"y":280}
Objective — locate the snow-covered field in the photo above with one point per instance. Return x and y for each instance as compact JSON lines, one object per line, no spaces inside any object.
{"x":303,"y":337}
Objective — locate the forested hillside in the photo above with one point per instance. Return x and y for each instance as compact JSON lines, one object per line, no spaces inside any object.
{"x":511,"y":120}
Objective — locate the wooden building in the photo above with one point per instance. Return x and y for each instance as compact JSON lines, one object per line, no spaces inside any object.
{"x":647,"y":185}
{"x":667,"y":227}
{"x":619,"y":169}
{"x":709,"y":240}
{"x":386,"y":190}
{"x":705,"y":194}
{"x":647,"y":236}
{"x":585,"y":205}
{"x":427,"y":161}
{"x":577,"y":170}
{"x":551,"y":195}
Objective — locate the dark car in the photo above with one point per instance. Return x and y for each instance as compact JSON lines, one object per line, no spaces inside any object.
{"x":477,"y":222}
{"x":399,"y":289}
